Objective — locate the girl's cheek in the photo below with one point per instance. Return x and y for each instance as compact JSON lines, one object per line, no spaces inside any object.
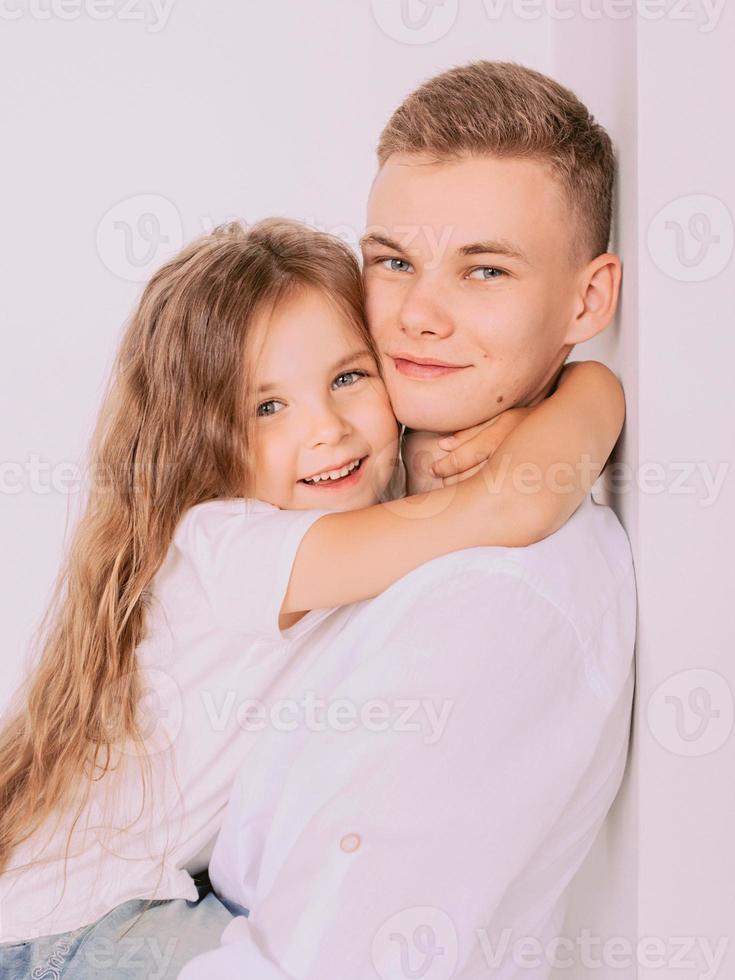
{"x":264,"y":468}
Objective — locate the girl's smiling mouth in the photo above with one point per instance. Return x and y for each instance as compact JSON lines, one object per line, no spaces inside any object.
{"x":326,"y":482}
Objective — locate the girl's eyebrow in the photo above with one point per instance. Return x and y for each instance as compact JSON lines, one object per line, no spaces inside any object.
{"x":342,"y":362}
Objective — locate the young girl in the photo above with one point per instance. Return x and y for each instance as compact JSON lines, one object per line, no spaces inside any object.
{"x":239,"y":460}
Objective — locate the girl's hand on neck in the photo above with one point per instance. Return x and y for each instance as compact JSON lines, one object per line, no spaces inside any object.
{"x":435,"y":460}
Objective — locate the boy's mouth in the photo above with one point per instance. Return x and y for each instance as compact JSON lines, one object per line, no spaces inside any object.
{"x":412,"y":369}
{"x":329,"y":479}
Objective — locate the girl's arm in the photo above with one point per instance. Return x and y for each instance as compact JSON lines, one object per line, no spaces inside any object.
{"x":529,"y":488}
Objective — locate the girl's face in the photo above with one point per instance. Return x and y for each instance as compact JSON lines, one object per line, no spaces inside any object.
{"x":321,"y":408}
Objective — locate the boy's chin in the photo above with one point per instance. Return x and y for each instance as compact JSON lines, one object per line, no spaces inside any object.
{"x":431,"y":410}
{"x":436,"y":419}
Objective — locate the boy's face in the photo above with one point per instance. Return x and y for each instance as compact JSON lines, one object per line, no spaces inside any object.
{"x":469,"y":263}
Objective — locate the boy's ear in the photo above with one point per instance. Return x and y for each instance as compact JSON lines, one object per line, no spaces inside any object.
{"x":597,"y":298}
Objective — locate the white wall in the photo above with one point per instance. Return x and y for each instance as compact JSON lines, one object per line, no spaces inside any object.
{"x":686,"y":789}
{"x":243,"y":109}
{"x":660,"y":879}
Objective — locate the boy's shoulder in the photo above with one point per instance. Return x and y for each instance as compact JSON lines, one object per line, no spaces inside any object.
{"x":585,"y":570}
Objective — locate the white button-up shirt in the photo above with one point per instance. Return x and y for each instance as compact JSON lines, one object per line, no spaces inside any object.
{"x":426,"y":785}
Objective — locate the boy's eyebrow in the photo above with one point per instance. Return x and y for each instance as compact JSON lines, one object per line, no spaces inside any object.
{"x":496,"y":247}
{"x":342,"y":362}
{"x":383,"y":240}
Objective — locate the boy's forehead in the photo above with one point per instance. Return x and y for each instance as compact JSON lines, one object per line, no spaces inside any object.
{"x":422,"y":205}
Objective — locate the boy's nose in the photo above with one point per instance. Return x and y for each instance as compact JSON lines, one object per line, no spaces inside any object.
{"x":424,"y":313}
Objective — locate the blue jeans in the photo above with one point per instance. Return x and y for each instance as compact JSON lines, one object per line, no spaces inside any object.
{"x":138,"y":940}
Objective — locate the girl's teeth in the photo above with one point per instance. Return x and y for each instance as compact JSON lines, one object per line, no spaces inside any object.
{"x":334,"y":474}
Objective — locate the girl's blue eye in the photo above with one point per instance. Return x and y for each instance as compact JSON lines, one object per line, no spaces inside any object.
{"x":261,"y":409}
{"x":496,"y":273}
{"x":262,"y":405}
{"x":349,"y":374}
{"x":395,"y":265}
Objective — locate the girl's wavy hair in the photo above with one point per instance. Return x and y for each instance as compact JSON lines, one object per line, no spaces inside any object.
{"x":174,"y":430}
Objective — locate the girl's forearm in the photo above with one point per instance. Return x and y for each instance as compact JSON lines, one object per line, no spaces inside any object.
{"x":540,"y":473}
{"x":547,"y":465}
{"x":527,"y":490}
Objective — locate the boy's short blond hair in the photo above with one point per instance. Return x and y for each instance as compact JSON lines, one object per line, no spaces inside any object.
{"x":506,"y":110}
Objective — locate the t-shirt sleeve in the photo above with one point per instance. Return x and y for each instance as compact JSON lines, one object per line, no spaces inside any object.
{"x":243,"y":552}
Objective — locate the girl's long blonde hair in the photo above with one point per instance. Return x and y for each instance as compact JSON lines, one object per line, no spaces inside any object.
{"x":174,"y":430}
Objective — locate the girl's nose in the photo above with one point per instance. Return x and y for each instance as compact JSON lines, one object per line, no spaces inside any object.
{"x":327,"y":426}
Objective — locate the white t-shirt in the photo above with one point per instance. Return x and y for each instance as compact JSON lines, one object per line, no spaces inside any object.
{"x":213,"y":642}
{"x":428,"y":819}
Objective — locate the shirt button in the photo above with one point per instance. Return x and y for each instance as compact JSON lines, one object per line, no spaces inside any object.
{"x":350,"y":842}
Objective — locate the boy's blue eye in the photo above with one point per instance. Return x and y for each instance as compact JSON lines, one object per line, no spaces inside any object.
{"x":350,"y":374}
{"x":262,"y":405}
{"x":395,"y":265}
{"x":496,"y":273}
